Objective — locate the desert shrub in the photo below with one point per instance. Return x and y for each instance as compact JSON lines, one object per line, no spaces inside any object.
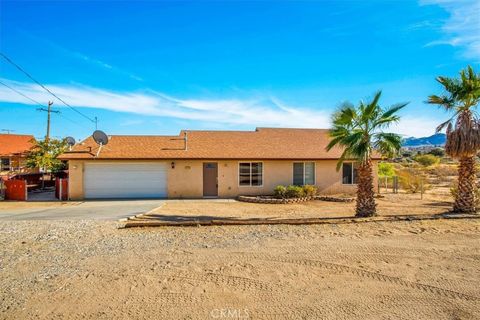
{"x":411,"y":180}
{"x":386,"y":169}
{"x":280,"y":192}
{"x":294,"y":192}
{"x":427,"y":160}
{"x":309,"y":190}
{"x":406,"y":154}
{"x":445,"y":172}
{"x":438,"y":152}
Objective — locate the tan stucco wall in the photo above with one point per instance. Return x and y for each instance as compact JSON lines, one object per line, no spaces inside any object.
{"x":185,"y":180}
{"x":75,"y":179}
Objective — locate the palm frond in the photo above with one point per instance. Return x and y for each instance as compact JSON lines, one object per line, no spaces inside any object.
{"x":358,"y":130}
{"x":445,"y":124}
{"x":389,"y":116}
{"x":394,"y":109}
{"x":443,"y":101}
{"x":345,"y":155}
{"x":462,"y":95}
{"x":372,"y":107}
{"x":388,"y":144}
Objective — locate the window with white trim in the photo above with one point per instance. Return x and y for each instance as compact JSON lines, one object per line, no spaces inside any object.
{"x":250,"y":174}
{"x":349,"y":173}
{"x":303,"y":173}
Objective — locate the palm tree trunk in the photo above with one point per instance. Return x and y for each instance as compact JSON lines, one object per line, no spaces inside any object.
{"x":366,"y":206}
{"x":465,"y":197}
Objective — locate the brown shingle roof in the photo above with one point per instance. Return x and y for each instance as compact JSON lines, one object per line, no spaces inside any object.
{"x":263,"y":143}
{"x":11,"y":144}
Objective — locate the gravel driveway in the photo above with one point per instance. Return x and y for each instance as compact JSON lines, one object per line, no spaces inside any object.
{"x":88,"y":210}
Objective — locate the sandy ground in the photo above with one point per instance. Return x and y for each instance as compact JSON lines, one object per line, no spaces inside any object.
{"x":389,"y":204}
{"x":92,"y":270}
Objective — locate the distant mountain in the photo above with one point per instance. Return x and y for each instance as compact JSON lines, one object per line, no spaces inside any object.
{"x":435,"y":140}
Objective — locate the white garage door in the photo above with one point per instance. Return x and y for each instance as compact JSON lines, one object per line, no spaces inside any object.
{"x":125,"y":180}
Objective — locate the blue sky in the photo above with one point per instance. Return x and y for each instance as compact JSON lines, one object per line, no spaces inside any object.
{"x":155,"y":67}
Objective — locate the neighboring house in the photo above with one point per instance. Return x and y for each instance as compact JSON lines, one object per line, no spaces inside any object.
{"x":13,"y":152}
{"x":221,"y":164}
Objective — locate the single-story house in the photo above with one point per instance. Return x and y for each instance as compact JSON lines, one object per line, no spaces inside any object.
{"x":202,"y":164}
{"x":13,"y":152}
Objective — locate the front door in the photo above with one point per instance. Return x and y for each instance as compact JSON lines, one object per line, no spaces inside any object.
{"x":210,"y":179}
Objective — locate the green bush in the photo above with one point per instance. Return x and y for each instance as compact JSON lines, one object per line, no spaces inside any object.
{"x":386,"y":169}
{"x":294,"y":192}
{"x":427,"y":160}
{"x":280,"y":192}
{"x":309,"y":190}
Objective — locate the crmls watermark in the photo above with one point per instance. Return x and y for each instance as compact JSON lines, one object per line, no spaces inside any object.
{"x":227,"y":313}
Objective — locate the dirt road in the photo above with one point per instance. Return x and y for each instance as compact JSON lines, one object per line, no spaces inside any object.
{"x":91,"y":270}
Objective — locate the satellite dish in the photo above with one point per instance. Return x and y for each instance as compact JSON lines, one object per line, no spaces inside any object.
{"x":100,"y":137}
{"x":70,"y":141}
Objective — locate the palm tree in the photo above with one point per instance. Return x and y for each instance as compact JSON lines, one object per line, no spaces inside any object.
{"x":359,"y":131}
{"x":463,"y":131}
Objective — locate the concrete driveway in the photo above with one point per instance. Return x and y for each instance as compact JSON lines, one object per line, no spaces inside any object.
{"x":85,"y":210}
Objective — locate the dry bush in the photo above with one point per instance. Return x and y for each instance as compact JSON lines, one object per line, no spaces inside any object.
{"x":309,"y":190}
{"x":444,"y":173}
{"x":411,"y":180}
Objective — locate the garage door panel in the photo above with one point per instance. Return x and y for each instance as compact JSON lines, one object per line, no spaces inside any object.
{"x":125,"y":180}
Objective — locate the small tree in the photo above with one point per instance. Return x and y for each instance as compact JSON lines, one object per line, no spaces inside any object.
{"x":44,"y":154}
{"x":386,"y":169}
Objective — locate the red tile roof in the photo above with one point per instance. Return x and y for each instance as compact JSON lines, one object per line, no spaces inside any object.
{"x":263,"y":143}
{"x":11,"y":144}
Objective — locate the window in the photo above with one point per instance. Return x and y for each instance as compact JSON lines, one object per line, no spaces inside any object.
{"x":349,"y":173}
{"x":5,"y":164}
{"x":303,"y":173}
{"x":250,"y":174}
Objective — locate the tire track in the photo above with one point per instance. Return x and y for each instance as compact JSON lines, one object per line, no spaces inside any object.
{"x":245,"y":284}
{"x":340,"y":268}
{"x":378,"y":276}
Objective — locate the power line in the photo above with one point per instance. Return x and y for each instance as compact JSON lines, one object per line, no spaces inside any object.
{"x":72,"y":121}
{"x":41,"y":105}
{"x":45,"y":88}
{"x":27,"y":97}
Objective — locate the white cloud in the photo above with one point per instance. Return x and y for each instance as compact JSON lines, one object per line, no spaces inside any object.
{"x":462,"y":28}
{"x":251,"y":112}
{"x":80,"y":56}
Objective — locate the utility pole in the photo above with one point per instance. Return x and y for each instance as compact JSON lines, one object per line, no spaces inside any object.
{"x":48,"y":119}
{"x":49,"y":111}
